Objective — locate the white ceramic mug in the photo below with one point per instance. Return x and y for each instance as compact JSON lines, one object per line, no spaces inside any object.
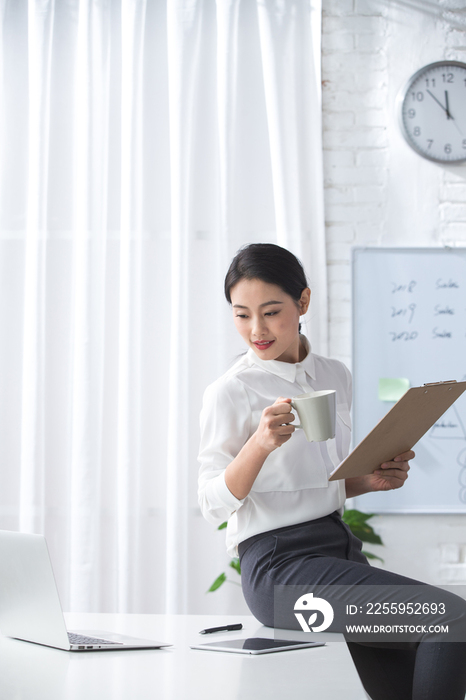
{"x":317,"y":412}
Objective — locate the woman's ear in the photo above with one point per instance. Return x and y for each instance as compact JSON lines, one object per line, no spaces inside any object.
{"x":304,"y":301}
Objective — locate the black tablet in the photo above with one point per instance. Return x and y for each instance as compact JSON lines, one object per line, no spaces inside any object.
{"x":256,"y":645}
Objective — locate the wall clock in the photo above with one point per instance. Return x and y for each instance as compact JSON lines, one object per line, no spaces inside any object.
{"x":432,"y":111}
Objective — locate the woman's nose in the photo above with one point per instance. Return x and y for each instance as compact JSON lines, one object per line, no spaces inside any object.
{"x":259,"y":327}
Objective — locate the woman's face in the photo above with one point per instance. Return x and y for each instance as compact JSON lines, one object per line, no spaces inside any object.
{"x":267,"y":319}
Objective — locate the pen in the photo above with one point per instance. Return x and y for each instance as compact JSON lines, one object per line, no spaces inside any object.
{"x":224,"y":628}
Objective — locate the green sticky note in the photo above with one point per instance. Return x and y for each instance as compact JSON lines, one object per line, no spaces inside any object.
{"x":392,"y":389}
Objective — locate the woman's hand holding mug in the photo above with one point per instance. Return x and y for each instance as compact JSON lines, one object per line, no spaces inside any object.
{"x":275,"y":427}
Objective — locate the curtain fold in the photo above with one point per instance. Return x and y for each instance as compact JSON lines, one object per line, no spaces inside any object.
{"x":39,"y":38}
{"x":184,"y":21}
{"x":130,"y":318}
{"x":88,"y":250}
{"x":142,"y":143}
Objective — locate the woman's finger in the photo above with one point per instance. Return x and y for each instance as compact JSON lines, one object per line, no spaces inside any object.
{"x":405,"y":457}
{"x":401,"y":466}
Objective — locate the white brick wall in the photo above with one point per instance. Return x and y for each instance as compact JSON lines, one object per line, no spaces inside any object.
{"x":379,"y":192}
{"x":354,"y":74}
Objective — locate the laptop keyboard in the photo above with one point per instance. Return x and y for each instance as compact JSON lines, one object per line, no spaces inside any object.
{"x":82,"y":639}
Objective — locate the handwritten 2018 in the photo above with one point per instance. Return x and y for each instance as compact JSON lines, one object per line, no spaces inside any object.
{"x":403,"y":287}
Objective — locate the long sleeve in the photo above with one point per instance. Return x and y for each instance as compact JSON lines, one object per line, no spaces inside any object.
{"x":225,"y":424}
{"x":293,"y":485}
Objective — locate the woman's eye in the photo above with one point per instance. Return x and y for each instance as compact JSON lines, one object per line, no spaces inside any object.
{"x":271,"y":313}
{"x":241,"y":316}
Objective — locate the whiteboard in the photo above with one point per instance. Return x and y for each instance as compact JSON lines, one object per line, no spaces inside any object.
{"x":409,"y":322}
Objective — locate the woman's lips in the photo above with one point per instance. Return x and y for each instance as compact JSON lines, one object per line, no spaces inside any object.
{"x":264,"y":345}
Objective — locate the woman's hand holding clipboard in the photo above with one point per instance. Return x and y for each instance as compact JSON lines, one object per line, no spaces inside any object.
{"x":400,"y":429}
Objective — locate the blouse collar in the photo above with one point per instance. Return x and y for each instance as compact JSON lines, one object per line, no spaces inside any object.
{"x":286,"y":370}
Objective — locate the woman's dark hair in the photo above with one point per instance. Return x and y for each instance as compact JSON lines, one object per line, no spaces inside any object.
{"x":270,"y":263}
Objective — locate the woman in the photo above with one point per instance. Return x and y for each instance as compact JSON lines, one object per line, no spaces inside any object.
{"x":284,"y":516}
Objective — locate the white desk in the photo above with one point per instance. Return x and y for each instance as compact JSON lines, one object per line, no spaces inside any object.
{"x":32,"y":672}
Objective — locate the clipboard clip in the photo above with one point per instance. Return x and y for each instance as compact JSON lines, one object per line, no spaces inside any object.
{"x":450,"y":381}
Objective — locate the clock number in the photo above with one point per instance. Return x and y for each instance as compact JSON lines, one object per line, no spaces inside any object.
{"x":417,"y":131}
{"x":430,"y":142}
{"x":411,"y":113}
{"x":447,"y":148}
{"x":448,"y":77}
{"x":430,"y":82}
{"x":418,"y":96}
{"x":464,"y":143}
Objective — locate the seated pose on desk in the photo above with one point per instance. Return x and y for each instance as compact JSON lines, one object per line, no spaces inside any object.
{"x":284,"y":516}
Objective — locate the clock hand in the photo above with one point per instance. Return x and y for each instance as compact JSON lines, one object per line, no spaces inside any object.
{"x":456,"y":124}
{"x":446,"y":109}
{"x":449,"y":116}
{"x":439,"y":103}
{"x":446,"y":105}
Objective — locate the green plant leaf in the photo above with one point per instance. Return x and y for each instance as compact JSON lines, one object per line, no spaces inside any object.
{"x":356,"y":517}
{"x":217,"y":583}
{"x":367,"y":535}
{"x":222,"y":526}
{"x":369,"y":555}
{"x":357,"y":523}
{"x":236,"y":565}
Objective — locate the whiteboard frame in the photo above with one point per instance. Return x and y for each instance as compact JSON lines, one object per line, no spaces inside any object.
{"x":358,"y":501}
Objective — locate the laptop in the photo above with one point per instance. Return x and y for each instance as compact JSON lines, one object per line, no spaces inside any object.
{"x":30,"y":607}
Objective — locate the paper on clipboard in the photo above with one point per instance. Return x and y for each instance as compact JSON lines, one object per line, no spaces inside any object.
{"x":401,"y":428}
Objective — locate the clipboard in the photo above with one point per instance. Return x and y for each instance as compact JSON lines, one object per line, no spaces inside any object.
{"x":401,"y":428}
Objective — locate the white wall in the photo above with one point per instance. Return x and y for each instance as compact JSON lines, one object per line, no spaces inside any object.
{"x":378,"y":192}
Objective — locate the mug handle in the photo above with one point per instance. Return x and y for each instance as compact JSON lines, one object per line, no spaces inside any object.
{"x":295,"y":425}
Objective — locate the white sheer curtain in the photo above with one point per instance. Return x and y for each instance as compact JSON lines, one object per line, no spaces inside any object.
{"x":142,"y":142}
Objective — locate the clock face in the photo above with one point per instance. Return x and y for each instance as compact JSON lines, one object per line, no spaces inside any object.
{"x":433,"y":112}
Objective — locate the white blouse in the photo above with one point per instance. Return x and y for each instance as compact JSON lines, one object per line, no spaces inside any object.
{"x":292,"y":486}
